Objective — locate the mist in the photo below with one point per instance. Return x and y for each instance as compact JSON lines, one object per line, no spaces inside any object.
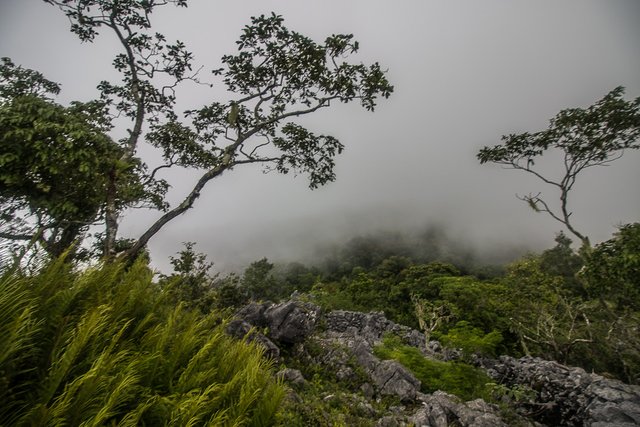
{"x":464,"y":72}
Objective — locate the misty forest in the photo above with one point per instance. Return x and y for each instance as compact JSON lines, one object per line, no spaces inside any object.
{"x":388,"y":328}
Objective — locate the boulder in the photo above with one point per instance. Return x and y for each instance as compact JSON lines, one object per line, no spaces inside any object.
{"x":293,"y":377}
{"x":241,"y":329}
{"x":287,"y":323}
{"x":393,"y":379}
{"x":442,"y":410}
{"x":292,"y":321}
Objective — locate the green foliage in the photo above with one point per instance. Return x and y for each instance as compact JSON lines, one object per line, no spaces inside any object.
{"x":562,"y":261}
{"x":60,"y":161}
{"x":104,"y":346}
{"x":325,"y":405}
{"x":471,"y":339}
{"x":539,"y":306}
{"x":259,"y":282}
{"x":229,"y":294}
{"x":56,"y":163}
{"x":388,"y":287}
{"x":480,"y":303}
{"x":612,"y":270}
{"x":190,"y":283}
{"x":589,"y":137}
{"x":456,"y":378}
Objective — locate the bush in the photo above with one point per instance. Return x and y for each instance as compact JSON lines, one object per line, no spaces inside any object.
{"x":103,"y":347}
{"x":471,"y":340}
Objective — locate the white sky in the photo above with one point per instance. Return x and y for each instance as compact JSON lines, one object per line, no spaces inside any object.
{"x":465,"y":72}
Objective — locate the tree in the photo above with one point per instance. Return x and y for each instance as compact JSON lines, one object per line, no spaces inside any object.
{"x":595,"y":136}
{"x":612,"y":269}
{"x":561,"y":260}
{"x":191,"y":281}
{"x":277,"y":75}
{"x":258,"y":280}
{"x":55,"y":162}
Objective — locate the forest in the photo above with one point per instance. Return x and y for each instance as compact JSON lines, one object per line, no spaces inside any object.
{"x":91,"y":334}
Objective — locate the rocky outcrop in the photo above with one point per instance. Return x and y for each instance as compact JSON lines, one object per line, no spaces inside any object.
{"x":370,"y":326}
{"x":443,"y":410}
{"x":287,"y":323}
{"x":569,"y":396}
{"x":343,"y":343}
{"x":240,"y":329}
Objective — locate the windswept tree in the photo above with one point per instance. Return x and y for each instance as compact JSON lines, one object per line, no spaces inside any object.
{"x":276,"y":76}
{"x":583,"y":138}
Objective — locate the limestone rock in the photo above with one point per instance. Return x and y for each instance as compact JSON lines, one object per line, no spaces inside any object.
{"x":239,"y":329}
{"x":293,"y":377}
{"x":569,"y":396}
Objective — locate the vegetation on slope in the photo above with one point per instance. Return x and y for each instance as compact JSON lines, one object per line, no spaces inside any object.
{"x":579,"y":308}
{"x":105,"y":346}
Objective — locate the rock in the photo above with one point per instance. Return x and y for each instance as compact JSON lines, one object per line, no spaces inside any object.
{"x":291,"y":322}
{"x":293,"y":377}
{"x":241,"y":329}
{"x":366,"y":409}
{"x":344,"y":345}
{"x":393,"y":379}
{"x":288,"y":322}
{"x":388,"y":421}
{"x":253,"y":313}
{"x":388,"y":377}
{"x":371,"y":327}
{"x":442,"y":410}
{"x":612,"y":403}
{"x":568,"y":396}
{"x":367,"y":390}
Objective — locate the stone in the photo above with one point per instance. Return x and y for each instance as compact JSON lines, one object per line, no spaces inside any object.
{"x":388,"y":421}
{"x":253,"y":313}
{"x":393,"y":379}
{"x":293,"y":377}
{"x":442,"y":409}
{"x":367,"y":390}
{"x":240,"y":329}
{"x":569,"y":396}
{"x":292,"y":321}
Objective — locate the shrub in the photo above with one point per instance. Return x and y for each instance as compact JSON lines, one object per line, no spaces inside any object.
{"x":471,"y":340}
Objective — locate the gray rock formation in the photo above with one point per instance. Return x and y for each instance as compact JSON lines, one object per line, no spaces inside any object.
{"x":443,"y":410}
{"x":292,"y":321}
{"x":371,"y":327}
{"x":343,"y":343}
{"x":569,"y":396}
{"x":240,"y":329}
{"x":293,"y":377}
{"x":288,"y":322}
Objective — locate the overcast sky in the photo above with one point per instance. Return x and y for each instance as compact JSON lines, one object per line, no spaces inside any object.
{"x":465,"y":72}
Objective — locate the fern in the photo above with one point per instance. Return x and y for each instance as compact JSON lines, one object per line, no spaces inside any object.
{"x":104,"y":346}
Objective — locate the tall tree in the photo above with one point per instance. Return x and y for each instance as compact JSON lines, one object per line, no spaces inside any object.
{"x":55,"y":162}
{"x":584,"y":138}
{"x":277,"y":75}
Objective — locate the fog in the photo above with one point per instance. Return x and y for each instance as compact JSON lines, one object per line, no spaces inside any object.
{"x":465,"y":72}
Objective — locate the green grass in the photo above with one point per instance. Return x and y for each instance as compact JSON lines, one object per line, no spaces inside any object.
{"x":104,"y":347}
{"x":460,"y":379}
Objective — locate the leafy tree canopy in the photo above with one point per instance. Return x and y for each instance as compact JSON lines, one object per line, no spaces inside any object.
{"x":275,"y":76}
{"x":55,"y":162}
{"x":594,"y":136}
